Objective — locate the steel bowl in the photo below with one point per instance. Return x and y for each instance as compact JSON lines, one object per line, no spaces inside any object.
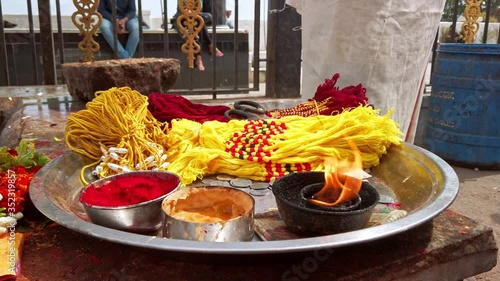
{"x":233,"y":229}
{"x":143,"y":217}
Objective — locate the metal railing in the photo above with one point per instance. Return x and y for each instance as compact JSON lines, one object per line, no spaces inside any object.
{"x":45,"y":43}
{"x":451,"y":36}
{"x":48,"y":40}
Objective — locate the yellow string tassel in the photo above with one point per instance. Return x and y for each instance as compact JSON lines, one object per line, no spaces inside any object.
{"x":215,"y":147}
{"x":117,"y":129}
{"x":118,"y":120}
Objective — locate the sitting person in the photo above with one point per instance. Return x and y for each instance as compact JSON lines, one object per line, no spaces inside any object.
{"x":205,"y":41}
{"x":229,"y":21}
{"x":224,"y":14}
{"x":126,"y":22}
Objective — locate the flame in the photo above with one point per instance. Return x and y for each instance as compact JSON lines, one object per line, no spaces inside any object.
{"x":343,"y":181}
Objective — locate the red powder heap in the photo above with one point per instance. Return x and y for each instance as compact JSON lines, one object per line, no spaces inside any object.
{"x":125,"y":191}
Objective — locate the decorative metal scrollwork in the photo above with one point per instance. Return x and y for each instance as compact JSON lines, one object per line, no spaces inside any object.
{"x":470,"y":26}
{"x":190,"y":23}
{"x":87,"y":20}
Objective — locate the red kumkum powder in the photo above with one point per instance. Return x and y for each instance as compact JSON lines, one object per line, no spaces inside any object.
{"x":124,"y":191}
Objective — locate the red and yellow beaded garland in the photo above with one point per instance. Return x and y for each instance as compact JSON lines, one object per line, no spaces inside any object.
{"x":265,"y":150}
{"x":253,"y":143}
{"x":308,"y":108}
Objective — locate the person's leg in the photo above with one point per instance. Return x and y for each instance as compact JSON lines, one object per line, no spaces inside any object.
{"x":106,"y":29}
{"x":199,"y":63}
{"x":133,"y":36}
{"x":218,"y":53}
{"x":206,"y":40}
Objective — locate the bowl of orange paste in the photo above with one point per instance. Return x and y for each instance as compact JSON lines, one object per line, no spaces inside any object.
{"x":211,"y":214}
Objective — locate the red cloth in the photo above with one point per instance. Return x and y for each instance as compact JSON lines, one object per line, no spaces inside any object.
{"x":348,"y":97}
{"x":166,"y":107}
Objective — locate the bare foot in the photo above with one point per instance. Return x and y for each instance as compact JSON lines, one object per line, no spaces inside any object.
{"x":217,"y":52}
{"x":199,"y":63}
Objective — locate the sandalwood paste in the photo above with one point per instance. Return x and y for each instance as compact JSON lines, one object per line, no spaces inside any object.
{"x":212,"y":204}
{"x":125,"y":191}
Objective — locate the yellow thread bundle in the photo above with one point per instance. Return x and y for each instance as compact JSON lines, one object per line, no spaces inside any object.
{"x":118,"y":117}
{"x":306,"y":139}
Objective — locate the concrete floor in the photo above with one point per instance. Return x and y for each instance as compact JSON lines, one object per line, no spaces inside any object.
{"x":479,"y":194}
{"x":479,"y":199}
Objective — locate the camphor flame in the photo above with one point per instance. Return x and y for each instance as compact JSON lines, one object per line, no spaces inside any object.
{"x":343,"y":180}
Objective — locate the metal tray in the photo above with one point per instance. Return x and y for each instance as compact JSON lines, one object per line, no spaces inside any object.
{"x":424,"y":183}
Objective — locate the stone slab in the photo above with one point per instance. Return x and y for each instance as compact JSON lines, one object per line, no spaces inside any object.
{"x":145,"y":75}
{"x":429,"y":252}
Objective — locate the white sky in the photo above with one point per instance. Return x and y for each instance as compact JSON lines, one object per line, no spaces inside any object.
{"x":67,"y":8}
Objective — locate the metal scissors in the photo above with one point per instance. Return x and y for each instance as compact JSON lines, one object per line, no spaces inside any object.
{"x":247,"y":109}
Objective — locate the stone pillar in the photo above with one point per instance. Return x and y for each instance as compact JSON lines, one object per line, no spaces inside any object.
{"x":284,"y":46}
{"x":47,"y":43}
{"x":4,"y":66}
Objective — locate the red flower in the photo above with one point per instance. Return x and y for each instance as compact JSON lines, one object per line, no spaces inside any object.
{"x":17,"y":168}
{"x":12,"y":152}
{"x":17,"y":187}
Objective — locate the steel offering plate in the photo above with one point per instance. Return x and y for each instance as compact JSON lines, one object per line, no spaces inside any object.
{"x":424,"y":184}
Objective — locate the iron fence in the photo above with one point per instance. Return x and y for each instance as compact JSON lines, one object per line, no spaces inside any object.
{"x":48,"y":49}
{"x":451,"y":35}
{"x":43,"y":51}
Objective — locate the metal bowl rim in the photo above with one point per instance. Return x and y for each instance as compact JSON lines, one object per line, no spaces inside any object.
{"x":133,"y":206}
{"x":45,"y":205}
{"x":251,"y":212}
{"x":329,"y":213}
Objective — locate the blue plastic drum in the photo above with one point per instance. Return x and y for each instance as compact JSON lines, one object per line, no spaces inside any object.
{"x":464,"y":127}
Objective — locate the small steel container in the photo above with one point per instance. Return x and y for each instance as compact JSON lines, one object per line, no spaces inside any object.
{"x":143,"y":217}
{"x":197,"y":227}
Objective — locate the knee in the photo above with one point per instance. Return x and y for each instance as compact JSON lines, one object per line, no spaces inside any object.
{"x":133,"y":30}
{"x":133,"y":26}
{"x":105,"y":25}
